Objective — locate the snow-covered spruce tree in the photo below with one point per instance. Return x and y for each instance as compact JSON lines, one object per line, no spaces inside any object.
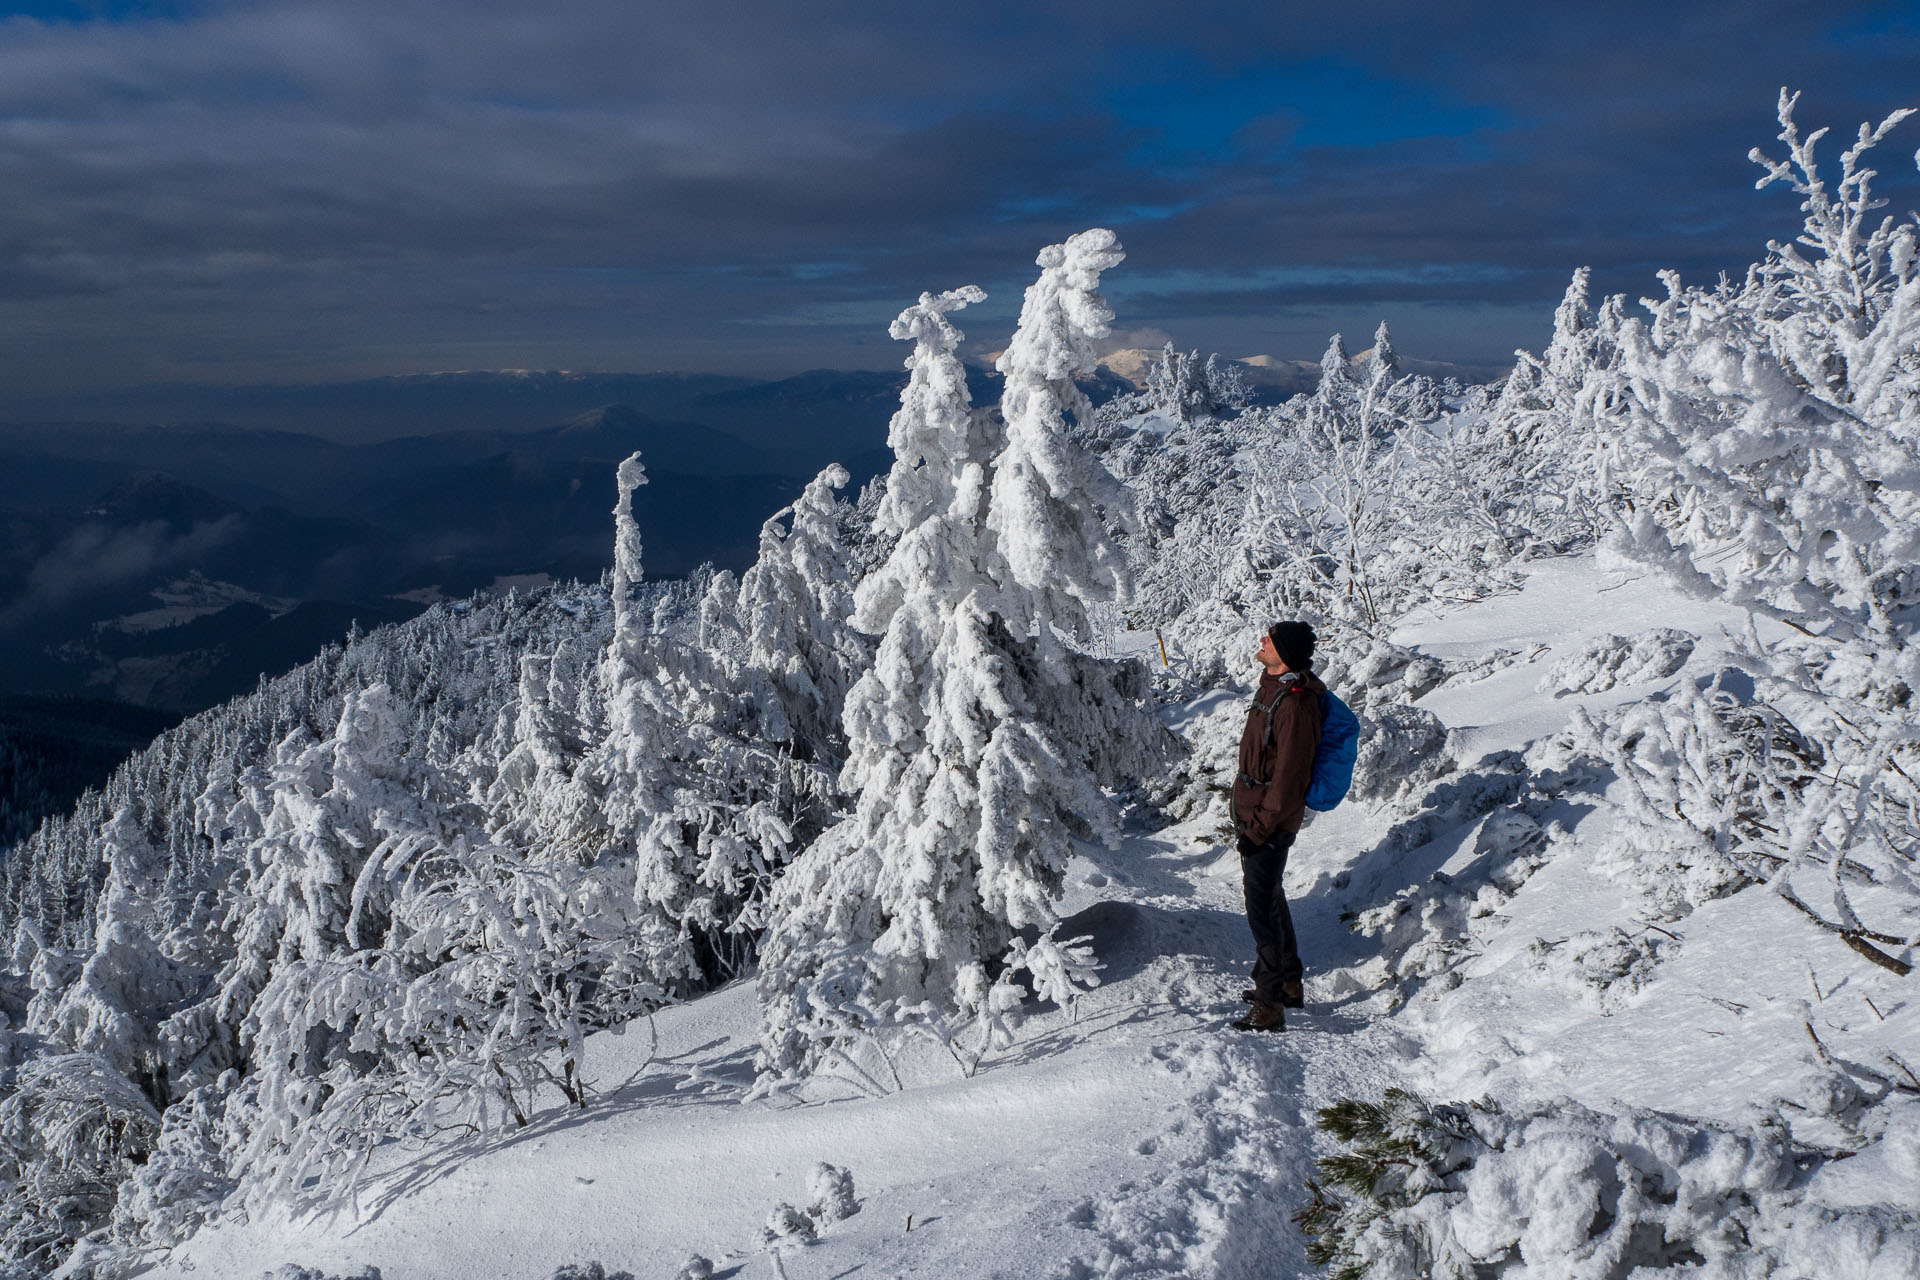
{"x":978,"y":741}
{"x":298,"y":988}
{"x":1049,"y":501}
{"x":1227,"y":384}
{"x":796,"y":608}
{"x":1521,"y":477}
{"x":705,"y":810}
{"x":392,"y":973}
{"x":127,"y":988}
{"x":1175,"y":386}
{"x":525,"y":772}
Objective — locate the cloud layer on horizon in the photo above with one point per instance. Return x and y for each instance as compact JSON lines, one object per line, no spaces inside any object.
{"x":297,"y":190}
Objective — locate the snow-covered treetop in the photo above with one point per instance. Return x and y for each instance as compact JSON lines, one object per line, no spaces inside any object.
{"x":1044,"y":508}
{"x":626,"y":540}
{"x":1334,"y":365}
{"x":1386,"y":361}
{"x":1063,"y":312}
{"x":941,"y":449}
{"x":928,"y":432}
{"x":1847,"y":309}
{"x":1852,"y":253}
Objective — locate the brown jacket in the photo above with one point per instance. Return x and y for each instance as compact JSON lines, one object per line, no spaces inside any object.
{"x":1270,"y":789}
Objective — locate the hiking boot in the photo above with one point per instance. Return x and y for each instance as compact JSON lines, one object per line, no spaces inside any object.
{"x":1262,"y":1017}
{"x":1292,"y":995}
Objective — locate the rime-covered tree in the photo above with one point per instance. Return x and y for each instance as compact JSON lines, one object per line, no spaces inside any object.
{"x":1757,"y":453}
{"x":1383,"y":363}
{"x":1049,"y":498}
{"x":1177,"y":385}
{"x":1227,"y":384}
{"x":1761,"y":452}
{"x":970,"y":762}
{"x":127,"y":987}
{"x":795,"y":606}
{"x":1320,"y":505}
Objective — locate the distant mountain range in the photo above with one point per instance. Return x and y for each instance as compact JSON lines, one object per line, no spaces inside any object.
{"x":172,"y":565}
{"x":1272,"y":378}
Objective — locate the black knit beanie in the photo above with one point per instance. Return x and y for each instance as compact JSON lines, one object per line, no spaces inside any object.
{"x":1293,"y":641}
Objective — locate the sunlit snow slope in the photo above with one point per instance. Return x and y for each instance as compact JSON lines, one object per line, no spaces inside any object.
{"x":1136,"y":1134}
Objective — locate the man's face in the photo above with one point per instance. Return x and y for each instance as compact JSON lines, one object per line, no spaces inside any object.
{"x":1269,"y":656}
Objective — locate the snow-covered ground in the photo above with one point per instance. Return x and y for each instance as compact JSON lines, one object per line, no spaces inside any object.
{"x":1136,"y":1134}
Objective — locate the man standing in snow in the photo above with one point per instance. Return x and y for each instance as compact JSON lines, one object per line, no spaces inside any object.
{"x":1269,"y":804}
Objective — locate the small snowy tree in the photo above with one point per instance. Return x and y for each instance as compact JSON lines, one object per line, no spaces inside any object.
{"x":1227,"y":384}
{"x":1321,"y":508}
{"x":127,"y":987}
{"x":1383,"y":363}
{"x":796,"y":604}
{"x":71,"y":1130}
{"x":630,"y":475}
{"x":533,"y":799}
{"x":1177,"y":385}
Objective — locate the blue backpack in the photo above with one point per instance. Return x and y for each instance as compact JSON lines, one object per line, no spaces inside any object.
{"x":1333,"y":755}
{"x":1333,"y":758}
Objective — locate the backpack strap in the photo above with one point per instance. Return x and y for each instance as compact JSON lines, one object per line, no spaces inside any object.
{"x":1291,"y":686}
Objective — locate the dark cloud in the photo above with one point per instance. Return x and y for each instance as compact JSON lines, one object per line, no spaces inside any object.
{"x":300,"y":189}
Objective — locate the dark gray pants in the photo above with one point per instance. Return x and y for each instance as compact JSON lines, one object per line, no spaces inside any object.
{"x":1276,"y":952}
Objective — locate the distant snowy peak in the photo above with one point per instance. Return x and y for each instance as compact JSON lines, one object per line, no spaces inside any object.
{"x":1135,"y":364}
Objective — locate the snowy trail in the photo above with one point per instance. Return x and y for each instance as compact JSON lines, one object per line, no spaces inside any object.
{"x":1136,"y":1135}
{"x":1234,"y":1166}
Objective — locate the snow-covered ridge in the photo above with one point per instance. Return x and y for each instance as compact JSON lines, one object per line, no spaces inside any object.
{"x":432,"y":956}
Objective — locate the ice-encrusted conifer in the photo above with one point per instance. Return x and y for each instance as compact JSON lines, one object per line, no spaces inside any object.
{"x":1048,"y":496}
{"x":1384,"y":364}
{"x":127,"y":986}
{"x":796,"y":606}
{"x":1226,"y":381}
{"x":532,"y":799}
{"x":330,"y":806}
{"x":970,"y":759}
{"x":823,"y":977}
{"x":630,"y":475}
{"x":1337,"y":383}
{"x":700,"y":813}
{"x":1178,"y":385}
